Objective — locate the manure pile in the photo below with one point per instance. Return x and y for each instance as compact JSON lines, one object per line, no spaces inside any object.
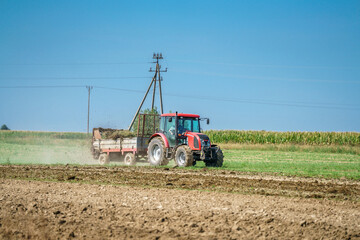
{"x":109,"y":133}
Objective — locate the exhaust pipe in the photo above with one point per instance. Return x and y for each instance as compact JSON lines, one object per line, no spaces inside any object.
{"x":176,"y":129}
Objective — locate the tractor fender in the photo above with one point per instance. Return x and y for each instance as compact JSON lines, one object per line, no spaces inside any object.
{"x":166,"y":142}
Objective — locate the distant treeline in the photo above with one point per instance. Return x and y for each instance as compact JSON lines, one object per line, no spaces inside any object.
{"x":267,"y":137}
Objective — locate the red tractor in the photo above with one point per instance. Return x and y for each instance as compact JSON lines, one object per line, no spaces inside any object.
{"x":179,"y":137}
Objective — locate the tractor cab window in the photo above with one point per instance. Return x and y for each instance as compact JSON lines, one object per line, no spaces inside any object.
{"x":184,"y":125}
{"x":188,"y":124}
{"x":162,"y":124}
{"x":196,"y":127}
{"x":170,"y":125}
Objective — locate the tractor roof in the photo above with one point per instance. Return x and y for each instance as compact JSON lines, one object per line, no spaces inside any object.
{"x":180,"y":115}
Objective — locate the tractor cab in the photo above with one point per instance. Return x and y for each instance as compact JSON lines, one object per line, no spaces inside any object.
{"x":176,"y":126}
{"x":180,"y":138}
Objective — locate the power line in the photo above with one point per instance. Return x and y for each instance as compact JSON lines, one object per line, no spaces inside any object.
{"x":61,"y":78}
{"x":182,"y":61}
{"x":119,"y":89}
{"x":250,"y":101}
{"x":253,"y":101}
{"x":65,"y":64}
{"x":58,"y":86}
{"x":189,"y":72}
{"x":266,"y":65}
{"x":265,"y":78}
{"x":262,"y":102}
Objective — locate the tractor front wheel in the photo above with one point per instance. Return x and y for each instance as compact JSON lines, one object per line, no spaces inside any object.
{"x":156,"y":152}
{"x":219,"y":159}
{"x":184,"y":156}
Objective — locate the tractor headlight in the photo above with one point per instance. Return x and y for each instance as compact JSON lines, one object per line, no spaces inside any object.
{"x":204,"y":143}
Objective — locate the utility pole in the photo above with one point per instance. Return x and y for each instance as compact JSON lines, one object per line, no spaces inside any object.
{"x":156,"y":77}
{"x":88,"y":116}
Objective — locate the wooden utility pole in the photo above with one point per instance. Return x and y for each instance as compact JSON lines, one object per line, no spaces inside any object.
{"x":88,"y":116}
{"x":156,"y":77}
{"x":159,"y":79}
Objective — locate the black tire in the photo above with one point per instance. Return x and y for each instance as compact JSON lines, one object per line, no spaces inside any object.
{"x":184,"y":156}
{"x":219,"y":159}
{"x":104,"y":159}
{"x":156,"y":152}
{"x":129,"y":159}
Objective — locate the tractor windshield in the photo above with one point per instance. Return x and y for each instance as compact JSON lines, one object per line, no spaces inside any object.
{"x":188,"y":124}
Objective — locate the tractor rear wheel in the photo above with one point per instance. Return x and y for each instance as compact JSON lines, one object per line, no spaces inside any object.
{"x":156,"y":152}
{"x":184,"y":156}
{"x":129,"y":159}
{"x":104,"y":159}
{"x":219,"y":159}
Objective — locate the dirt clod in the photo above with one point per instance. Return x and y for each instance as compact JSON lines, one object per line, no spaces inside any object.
{"x":193,"y":225}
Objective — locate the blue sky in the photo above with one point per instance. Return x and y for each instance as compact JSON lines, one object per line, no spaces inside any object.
{"x":252,"y":65}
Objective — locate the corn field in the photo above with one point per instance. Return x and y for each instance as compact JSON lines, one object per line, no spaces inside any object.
{"x":221,"y":136}
{"x":267,"y":137}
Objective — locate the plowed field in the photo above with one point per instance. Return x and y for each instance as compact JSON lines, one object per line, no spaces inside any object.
{"x":42,"y":202}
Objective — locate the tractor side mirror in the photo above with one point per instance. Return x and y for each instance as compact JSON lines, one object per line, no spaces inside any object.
{"x":207,"y":121}
{"x":170,"y":119}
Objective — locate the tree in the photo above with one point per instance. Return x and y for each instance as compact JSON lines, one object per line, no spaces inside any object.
{"x":4,"y":127}
{"x":149,"y":122}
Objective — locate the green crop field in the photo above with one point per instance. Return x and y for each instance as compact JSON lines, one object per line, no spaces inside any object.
{"x":23,"y":147}
{"x":309,"y":164}
{"x":268,"y":137}
{"x":334,"y":161}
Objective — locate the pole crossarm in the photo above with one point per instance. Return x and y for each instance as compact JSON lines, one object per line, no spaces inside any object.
{"x":159,"y":70}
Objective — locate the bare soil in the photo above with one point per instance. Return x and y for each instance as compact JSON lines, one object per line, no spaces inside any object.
{"x":181,"y":178}
{"x":155,"y":203}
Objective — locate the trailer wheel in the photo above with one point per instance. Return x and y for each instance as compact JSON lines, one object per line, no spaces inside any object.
{"x":156,"y":152}
{"x":95,"y":153}
{"x":104,"y":159}
{"x":129,"y":159}
{"x":184,"y":156}
{"x":219,"y":159}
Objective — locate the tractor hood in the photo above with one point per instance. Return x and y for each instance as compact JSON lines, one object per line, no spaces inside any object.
{"x":198,"y":140}
{"x":203,"y":136}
